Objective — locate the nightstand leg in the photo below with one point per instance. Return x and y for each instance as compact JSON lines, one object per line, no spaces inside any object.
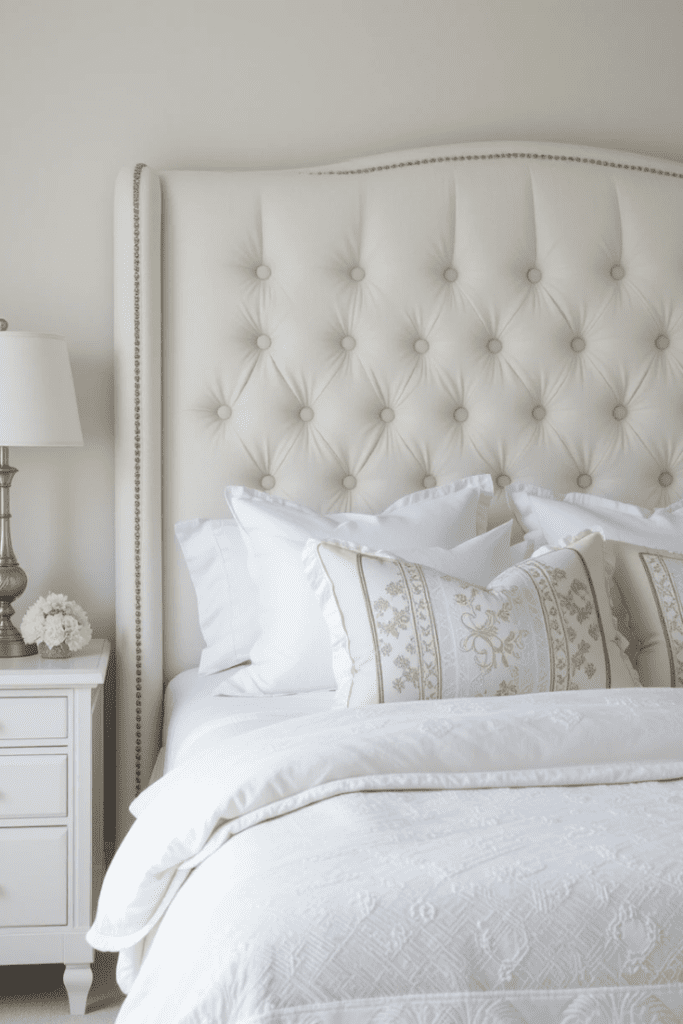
{"x":77,"y":982}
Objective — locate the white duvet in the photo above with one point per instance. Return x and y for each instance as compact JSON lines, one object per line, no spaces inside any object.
{"x":508,"y":860}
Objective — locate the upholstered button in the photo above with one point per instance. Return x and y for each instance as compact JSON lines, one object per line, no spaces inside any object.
{"x":348,"y":343}
{"x":617,"y":272}
{"x":534,"y":275}
{"x":268,"y":482}
{"x":460,"y":415}
{"x":421,"y":346}
{"x":665,"y":479}
{"x":503,"y":480}
{"x":584,"y":480}
{"x":306,"y":414}
{"x":387,"y":415}
{"x":263,"y":272}
{"x":349,"y":482}
{"x":578,"y":344}
{"x":662,"y":342}
{"x":357,"y":273}
{"x":538,"y":412}
{"x":263,"y":341}
{"x":224,"y":412}
{"x":494,"y":345}
{"x":429,"y":481}
{"x":620,"y":412}
{"x":451,"y":274}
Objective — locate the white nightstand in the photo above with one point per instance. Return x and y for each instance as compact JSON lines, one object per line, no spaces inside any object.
{"x":51,"y":846}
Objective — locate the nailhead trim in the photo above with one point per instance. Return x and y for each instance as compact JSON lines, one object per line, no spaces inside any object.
{"x":137,"y":445}
{"x":504,"y":156}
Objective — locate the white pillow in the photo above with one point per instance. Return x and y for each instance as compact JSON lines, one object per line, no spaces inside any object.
{"x":293,"y":653}
{"x":227,"y":599}
{"x":404,"y":631}
{"x":547,"y":519}
{"x":479,"y":560}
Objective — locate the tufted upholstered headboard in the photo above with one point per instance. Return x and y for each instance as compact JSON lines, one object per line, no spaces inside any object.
{"x":345,"y":335}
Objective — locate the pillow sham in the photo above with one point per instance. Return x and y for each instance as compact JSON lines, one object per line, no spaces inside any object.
{"x":650,"y":584}
{"x":546,"y":519}
{"x":227,"y":599}
{"x":292,"y":653}
{"x":404,"y":631}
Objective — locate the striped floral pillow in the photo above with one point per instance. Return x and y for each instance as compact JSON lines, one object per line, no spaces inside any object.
{"x":650,"y":584}
{"x":402,"y":631}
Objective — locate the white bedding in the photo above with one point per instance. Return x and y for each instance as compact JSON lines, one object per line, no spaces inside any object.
{"x":192,"y":712}
{"x":509,"y":860}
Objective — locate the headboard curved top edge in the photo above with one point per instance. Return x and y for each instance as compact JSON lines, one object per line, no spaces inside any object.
{"x":501,"y":150}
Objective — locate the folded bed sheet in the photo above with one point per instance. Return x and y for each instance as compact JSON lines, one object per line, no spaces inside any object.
{"x":192,"y":713}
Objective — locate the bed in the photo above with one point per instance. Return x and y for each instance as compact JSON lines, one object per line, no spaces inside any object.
{"x":394,"y":365}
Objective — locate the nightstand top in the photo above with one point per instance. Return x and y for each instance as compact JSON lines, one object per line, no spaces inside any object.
{"x":86,"y":668}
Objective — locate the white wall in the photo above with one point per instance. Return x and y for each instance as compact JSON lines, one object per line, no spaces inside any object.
{"x":90,"y":85}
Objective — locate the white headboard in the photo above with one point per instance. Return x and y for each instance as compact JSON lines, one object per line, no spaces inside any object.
{"x":348,"y":334}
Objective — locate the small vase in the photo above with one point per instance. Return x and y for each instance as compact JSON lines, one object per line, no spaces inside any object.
{"x":60,"y":651}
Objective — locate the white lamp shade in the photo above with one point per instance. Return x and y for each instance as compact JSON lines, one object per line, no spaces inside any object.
{"x":37,"y":396}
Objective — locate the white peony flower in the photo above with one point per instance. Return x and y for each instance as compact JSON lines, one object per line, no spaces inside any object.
{"x":70,"y":626}
{"x":32,"y":624}
{"x":53,"y":631}
{"x":55,"y":619}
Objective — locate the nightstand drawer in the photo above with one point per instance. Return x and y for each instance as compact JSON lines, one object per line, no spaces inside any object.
{"x":33,"y":877}
{"x":33,"y":785}
{"x":33,"y":718}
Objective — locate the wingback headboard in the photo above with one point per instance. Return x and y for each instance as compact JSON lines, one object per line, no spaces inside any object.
{"x":344,"y":335}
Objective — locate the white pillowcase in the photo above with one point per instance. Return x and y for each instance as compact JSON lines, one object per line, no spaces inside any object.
{"x":227,"y":599}
{"x":404,"y":631}
{"x":292,"y":653}
{"x":546,"y":519}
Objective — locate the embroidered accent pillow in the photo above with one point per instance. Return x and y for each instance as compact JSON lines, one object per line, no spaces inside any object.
{"x":650,"y":584}
{"x":292,"y":652}
{"x":546,"y":519}
{"x":403,"y":631}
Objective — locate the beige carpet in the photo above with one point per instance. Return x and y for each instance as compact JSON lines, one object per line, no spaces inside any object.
{"x":37,"y":995}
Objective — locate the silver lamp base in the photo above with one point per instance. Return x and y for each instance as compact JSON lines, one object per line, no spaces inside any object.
{"x":16,"y":648}
{"x":12,"y":576}
{"x":12,"y":584}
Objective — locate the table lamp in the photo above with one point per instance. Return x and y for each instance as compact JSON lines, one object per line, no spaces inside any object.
{"x":37,"y":408}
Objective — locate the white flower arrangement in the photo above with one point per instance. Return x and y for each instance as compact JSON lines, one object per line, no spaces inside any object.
{"x":54,"y":620}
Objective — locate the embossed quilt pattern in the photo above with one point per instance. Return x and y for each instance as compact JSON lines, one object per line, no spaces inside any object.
{"x":528,"y":901}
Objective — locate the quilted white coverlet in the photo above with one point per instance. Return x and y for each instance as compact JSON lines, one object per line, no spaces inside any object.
{"x":513,"y":859}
